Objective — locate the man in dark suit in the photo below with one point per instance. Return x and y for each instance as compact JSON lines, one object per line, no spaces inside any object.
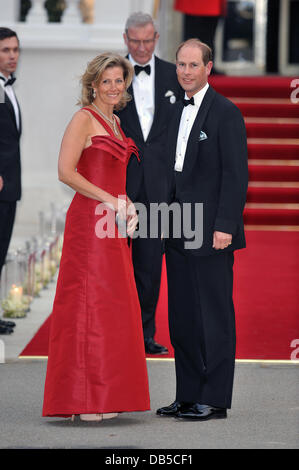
{"x":207,"y":149}
{"x":10,"y":132}
{"x":145,"y":119}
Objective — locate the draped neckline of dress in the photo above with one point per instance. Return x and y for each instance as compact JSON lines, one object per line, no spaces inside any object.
{"x":106,"y":126}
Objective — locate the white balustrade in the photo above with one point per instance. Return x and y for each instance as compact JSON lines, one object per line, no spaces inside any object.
{"x":71,"y":14}
{"x":37,"y":13}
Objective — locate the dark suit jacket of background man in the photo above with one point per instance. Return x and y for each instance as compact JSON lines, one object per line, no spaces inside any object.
{"x":215,"y":170}
{"x":10,"y":163}
{"x":10,"y":170}
{"x":153,"y":164}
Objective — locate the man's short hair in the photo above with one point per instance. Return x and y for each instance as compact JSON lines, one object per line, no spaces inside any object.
{"x":139,"y":19}
{"x":207,"y":54}
{"x":6,"y":33}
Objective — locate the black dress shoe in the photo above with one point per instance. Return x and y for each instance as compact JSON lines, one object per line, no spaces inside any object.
{"x":5,"y":330}
{"x":197,"y":412}
{"x":10,"y":324}
{"x":151,"y":347}
{"x":171,"y":410}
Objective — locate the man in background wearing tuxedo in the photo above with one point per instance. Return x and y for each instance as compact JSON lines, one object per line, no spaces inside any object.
{"x":10,"y":132}
{"x":207,"y":151}
{"x":154,"y":91}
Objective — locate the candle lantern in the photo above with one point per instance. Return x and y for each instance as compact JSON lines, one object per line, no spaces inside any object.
{"x":53,"y":254}
{"x":13,"y":303}
{"x":45,"y":265}
{"x":38,"y":284}
{"x":29,"y":282}
{"x":22,"y":262}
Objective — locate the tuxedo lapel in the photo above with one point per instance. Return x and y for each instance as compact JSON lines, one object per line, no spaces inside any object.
{"x":131,"y":108}
{"x":11,"y":109}
{"x":159,"y":82}
{"x":191,"y":150}
{"x":173,"y":132}
{"x":20,"y":117}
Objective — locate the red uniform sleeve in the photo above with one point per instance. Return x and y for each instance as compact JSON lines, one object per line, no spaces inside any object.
{"x":201,"y":7}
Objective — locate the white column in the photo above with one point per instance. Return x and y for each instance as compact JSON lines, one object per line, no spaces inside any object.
{"x":146,"y":6}
{"x":114,"y":12}
{"x":72,"y":14}
{"x":37,"y":13}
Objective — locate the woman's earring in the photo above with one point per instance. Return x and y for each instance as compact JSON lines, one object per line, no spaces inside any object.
{"x":94,"y":93}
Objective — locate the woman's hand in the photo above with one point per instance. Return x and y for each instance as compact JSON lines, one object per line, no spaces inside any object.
{"x":1,"y":183}
{"x":120,"y":207}
{"x":132,"y":219}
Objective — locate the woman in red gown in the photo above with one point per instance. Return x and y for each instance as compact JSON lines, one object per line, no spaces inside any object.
{"x":96,"y":364}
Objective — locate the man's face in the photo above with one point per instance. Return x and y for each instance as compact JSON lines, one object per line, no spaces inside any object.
{"x":9,"y":55}
{"x":141,"y":42}
{"x":191,"y":71}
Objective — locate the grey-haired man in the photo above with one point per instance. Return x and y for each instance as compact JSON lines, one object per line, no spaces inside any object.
{"x":154,"y":91}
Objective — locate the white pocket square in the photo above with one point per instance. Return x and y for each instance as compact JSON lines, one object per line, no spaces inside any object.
{"x":202,"y":136}
{"x":169,"y":94}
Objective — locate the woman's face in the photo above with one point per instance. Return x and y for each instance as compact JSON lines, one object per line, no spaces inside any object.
{"x":111,"y":86}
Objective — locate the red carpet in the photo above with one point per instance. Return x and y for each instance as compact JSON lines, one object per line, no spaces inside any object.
{"x":273,"y":195}
{"x":266,"y":299}
{"x":272,"y":125}
{"x":253,"y":87}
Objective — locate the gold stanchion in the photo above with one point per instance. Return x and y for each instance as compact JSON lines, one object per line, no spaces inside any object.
{"x":156,"y":9}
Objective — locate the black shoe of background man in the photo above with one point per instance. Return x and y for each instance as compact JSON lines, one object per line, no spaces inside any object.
{"x":171,"y":410}
{"x":5,"y":330}
{"x":151,"y":347}
{"x":10,"y":324}
{"x":198,"y":412}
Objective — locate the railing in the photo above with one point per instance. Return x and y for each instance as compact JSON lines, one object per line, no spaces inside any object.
{"x":31,"y":267}
{"x":39,"y":14}
{"x":84,"y":24}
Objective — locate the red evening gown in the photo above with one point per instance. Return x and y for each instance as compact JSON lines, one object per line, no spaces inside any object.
{"x":96,"y":361}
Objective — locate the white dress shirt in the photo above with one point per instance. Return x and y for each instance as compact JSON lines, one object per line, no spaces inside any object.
{"x":187,"y":120}
{"x":144,"y":95}
{"x":9,"y":91}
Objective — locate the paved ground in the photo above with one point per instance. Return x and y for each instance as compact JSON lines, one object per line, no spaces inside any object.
{"x":265,"y":414}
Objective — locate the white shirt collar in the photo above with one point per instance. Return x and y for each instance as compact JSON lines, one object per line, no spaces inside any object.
{"x":6,"y":78}
{"x":198,"y":97}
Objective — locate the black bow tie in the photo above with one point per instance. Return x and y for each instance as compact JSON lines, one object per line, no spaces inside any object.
{"x":187,"y":102}
{"x":139,"y":68}
{"x":10,"y":81}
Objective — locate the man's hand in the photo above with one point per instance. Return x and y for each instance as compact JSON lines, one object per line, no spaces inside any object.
{"x":1,"y":183}
{"x":221,"y":240}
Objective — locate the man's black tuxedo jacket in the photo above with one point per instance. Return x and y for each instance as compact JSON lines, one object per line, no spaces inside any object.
{"x":10,"y":165}
{"x":152,"y":169}
{"x":215,"y":170}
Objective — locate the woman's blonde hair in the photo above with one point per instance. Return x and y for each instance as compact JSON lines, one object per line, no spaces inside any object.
{"x":93,"y":74}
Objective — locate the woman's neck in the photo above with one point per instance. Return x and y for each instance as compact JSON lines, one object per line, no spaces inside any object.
{"x":106,"y":109}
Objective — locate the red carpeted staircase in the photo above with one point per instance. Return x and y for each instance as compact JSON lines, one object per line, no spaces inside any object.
{"x":272,"y":124}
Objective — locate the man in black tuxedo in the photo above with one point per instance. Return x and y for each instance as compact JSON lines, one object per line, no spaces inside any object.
{"x":207,"y":150}
{"x":10,"y":132}
{"x":145,"y":119}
